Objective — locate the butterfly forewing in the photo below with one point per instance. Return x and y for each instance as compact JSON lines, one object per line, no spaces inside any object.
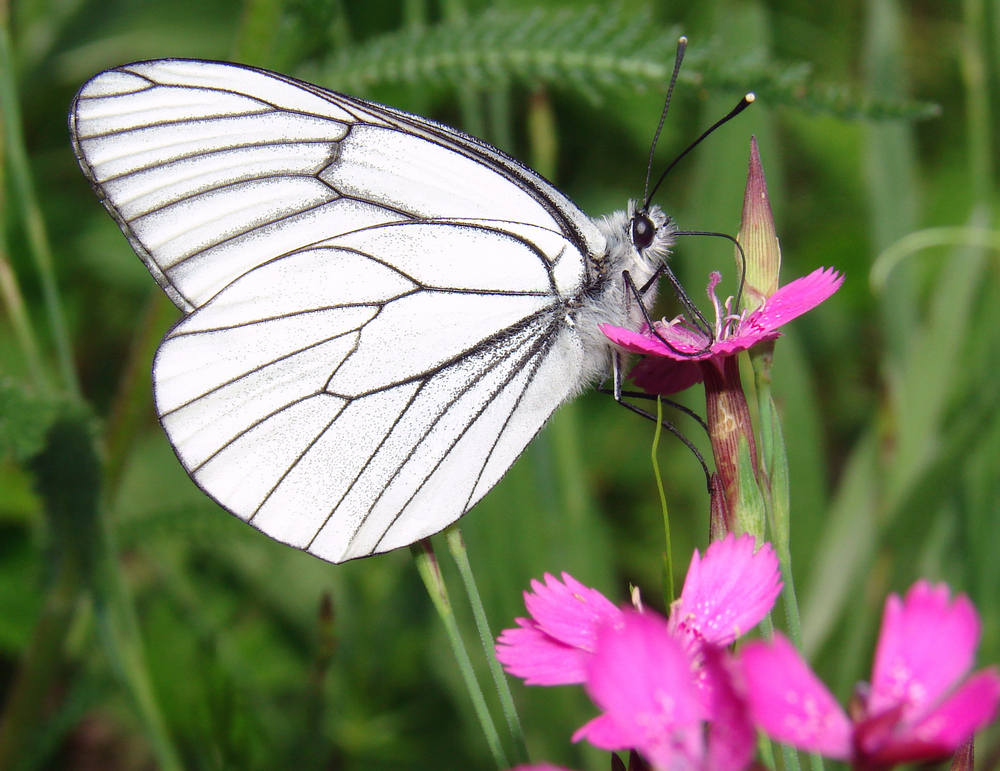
{"x":377,"y":304}
{"x":273,"y":166}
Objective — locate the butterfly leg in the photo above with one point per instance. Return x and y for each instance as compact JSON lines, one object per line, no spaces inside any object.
{"x":700,"y":321}
{"x":618,"y":394}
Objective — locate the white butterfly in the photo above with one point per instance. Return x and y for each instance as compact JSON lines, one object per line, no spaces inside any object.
{"x":381,"y":311}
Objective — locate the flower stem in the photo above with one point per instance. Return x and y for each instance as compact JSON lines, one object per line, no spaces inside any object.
{"x":430,"y":572}
{"x":729,"y":427}
{"x":668,"y":559}
{"x":456,"y":545}
{"x":115,"y":611}
{"x":773,"y":481}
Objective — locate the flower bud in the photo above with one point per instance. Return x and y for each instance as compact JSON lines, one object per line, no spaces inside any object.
{"x":757,"y":237}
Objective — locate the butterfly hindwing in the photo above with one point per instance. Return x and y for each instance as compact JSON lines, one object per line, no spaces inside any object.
{"x":327,"y":421}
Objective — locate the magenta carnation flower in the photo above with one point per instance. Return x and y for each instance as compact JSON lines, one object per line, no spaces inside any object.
{"x":921,"y":704}
{"x":726,"y":593}
{"x":663,"y":686}
{"x":668,"y":370}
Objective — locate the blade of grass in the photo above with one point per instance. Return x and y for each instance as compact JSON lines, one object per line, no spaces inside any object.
{"x":427,"y":566}
{"x":31,"y":214}
{"x":456,"y":546}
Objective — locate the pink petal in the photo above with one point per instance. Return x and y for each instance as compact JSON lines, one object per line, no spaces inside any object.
{"x":939,"y":734}
{"x":790,"y":703}
{"x":603,"y":732}
{"x":660,"y":375}
{"x":927,"y":643}
{"x":681,"y":337}
{"x":791,"y":301}
{"x":641,"y":678}
{"x":553,"y":646}
{"x":539,"y":767}
{"x":731,"y":735}
{"x":728,"y":592}
{"x":569,"y":611}
{"x":744,"y":338}
{"x":687,"y":341}
{"x":636,"y":342}
{"x":539,"y":659}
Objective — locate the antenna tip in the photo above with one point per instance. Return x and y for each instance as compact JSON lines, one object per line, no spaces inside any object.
{"x":682,"y":40}
{"x":750,"y":98}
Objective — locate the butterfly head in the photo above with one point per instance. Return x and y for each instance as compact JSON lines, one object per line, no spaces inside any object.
{"x":637,"y":240}
{"x":651,"y":233}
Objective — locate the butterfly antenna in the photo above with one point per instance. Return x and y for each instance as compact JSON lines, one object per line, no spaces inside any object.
{"x":745,"y":102}
{"x":681,"y":48}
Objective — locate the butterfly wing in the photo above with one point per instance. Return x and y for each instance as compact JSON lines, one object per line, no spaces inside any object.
{"x":211,"y":169}
{"x":377,"y":304}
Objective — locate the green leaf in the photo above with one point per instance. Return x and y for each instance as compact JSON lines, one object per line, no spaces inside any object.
{"x":591,"y":52}
{"x":24,"y":420}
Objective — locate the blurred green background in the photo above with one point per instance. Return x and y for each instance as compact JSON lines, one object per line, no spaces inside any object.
{"x":141,"y":626}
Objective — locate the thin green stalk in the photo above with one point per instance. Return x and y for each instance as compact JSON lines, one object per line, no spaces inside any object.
{"x":543,"y":135}
{"x":427,"y":566}
{"x":456,"y":544}
{"x":668,"y":558}
{"x":10,"y":291}
{"x":259,"y":25}
{"x":498,"y":112}
{"x":473,"y":117}
{"x":774,"y":483}
{"x":765,"y":750}
{"x":20,"y":321}
{"x":31,"y":213}
{"x":120,"y":629}
{"x":973,"y":58}
{"x":789,"y":599}
{"x":341,"y":35}
{"x":928,"y":238}
{"x":789,"y":754}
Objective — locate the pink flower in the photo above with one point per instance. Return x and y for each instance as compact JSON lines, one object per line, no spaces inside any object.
{"x":657,"y":682}
{"x":640,"y":676}
{"x":539,"y":767}
{"x":732,"y":333}
{"x":921,"y":705}
{"x":725,"y":594}
{"x":552,"y":647}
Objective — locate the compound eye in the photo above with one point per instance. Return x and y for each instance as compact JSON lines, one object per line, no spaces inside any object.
{"x":643,"y":231}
